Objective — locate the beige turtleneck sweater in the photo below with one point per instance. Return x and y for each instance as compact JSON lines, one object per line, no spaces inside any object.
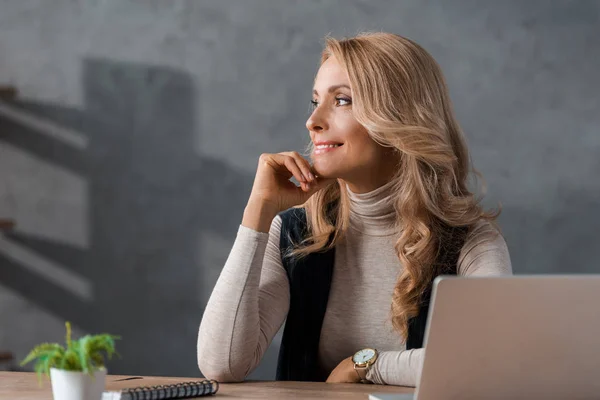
{"x":250,"y":300}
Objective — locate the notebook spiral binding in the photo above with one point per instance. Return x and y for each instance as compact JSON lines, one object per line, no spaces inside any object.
{"x":175,"y":391}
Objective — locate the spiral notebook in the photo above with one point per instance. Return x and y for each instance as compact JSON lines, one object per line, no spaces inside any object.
{"x":184,"y":390}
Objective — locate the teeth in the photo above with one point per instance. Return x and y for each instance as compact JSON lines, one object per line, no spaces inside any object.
{"x":328,"y":146}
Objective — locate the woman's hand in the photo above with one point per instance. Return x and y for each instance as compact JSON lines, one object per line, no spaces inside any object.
{"x":273,"y":191}
{"x":344,"y":373}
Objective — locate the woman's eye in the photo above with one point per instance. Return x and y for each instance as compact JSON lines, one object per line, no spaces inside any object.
{"x":339,"y":101}
{"x":342,"y":101}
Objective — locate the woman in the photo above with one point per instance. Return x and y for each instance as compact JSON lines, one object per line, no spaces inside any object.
{"x":385,"y":209}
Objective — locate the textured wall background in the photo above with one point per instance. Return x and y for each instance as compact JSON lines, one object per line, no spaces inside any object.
{"x":129,"y":157}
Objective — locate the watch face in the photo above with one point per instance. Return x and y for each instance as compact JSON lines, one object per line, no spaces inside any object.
{"x":363,"y":356}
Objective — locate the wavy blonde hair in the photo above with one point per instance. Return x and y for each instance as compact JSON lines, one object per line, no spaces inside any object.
{"x":401,"y":98}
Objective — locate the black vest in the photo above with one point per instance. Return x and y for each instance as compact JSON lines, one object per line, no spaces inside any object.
{"x":310,"y":280}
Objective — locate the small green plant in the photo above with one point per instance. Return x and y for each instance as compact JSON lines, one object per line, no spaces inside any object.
{"x":84,"y":354}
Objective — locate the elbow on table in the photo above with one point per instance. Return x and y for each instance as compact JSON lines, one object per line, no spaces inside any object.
{"x":220,"y":373}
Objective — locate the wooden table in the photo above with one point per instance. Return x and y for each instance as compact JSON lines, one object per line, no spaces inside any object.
{"x":24,"y":386}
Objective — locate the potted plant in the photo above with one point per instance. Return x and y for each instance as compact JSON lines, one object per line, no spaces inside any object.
{"x":77,"y":370}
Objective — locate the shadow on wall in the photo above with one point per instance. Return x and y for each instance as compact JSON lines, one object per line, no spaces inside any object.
{"x":150,"y":198}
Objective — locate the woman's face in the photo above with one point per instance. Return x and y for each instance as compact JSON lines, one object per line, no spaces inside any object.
{"x":342,"y":147}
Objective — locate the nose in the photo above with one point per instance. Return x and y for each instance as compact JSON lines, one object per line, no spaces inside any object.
{"x":317,"y":122}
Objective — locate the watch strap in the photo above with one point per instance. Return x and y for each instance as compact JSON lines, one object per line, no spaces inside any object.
{"x":362,"y":373}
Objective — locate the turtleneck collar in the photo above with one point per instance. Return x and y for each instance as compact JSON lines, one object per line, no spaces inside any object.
{"x":373,"y":213}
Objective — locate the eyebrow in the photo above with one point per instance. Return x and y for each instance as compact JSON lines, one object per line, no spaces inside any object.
{"x":333,"y":88}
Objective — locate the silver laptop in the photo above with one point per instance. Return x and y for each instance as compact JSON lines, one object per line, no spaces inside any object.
{"x":518,"y":337}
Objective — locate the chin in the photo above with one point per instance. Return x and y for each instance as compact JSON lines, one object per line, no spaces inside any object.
{"x":329,"y":165}
{"x":327,"y":171}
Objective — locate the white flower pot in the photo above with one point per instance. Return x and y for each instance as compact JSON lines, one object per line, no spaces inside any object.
{"x":75,"y":385}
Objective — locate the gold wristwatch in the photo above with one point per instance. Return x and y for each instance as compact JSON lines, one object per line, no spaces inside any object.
{"x":363,"y":360}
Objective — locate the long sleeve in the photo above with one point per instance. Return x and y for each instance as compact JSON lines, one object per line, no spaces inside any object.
{"x":484,"y":254}
{"x":246,"y":308}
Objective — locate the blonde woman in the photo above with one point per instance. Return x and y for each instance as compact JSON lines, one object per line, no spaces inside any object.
{"x":347,"y":259}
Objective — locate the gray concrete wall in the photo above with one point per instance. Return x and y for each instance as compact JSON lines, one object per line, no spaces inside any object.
{"x":130,"y":154}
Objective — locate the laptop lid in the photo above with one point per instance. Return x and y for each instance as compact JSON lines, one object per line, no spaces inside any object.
{"x":516,"y":337}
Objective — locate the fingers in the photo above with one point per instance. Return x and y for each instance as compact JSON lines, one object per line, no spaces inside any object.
{"x":303,"y":165}
{"x":319,"y":184}
{"x":292,"y":166}
{"x":283,"y":165}
{"x":295,"y":165}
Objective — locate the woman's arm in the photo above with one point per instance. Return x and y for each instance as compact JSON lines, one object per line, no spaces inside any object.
{"x":484,"y":254}
{"x":251,"y":298}
{"x":400,"y":368}
{"x":247,"y":307}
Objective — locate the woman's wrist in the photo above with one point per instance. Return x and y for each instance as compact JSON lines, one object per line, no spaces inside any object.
{"x":258,"y":215}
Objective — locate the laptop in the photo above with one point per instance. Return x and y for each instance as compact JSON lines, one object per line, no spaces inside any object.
{"x":514,"y":337}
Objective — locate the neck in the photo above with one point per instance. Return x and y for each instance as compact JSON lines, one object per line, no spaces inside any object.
{"x":367,"y":184}
{"x":372,"y":213}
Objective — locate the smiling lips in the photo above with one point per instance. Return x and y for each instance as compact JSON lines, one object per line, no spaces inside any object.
{"x":325,"y":147}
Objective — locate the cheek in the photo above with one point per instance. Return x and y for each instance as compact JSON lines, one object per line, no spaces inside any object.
{"x":353,"y":133}
{"x":361,"y":146}
{"x":359,"y":150}
{"x":363,"y":152}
